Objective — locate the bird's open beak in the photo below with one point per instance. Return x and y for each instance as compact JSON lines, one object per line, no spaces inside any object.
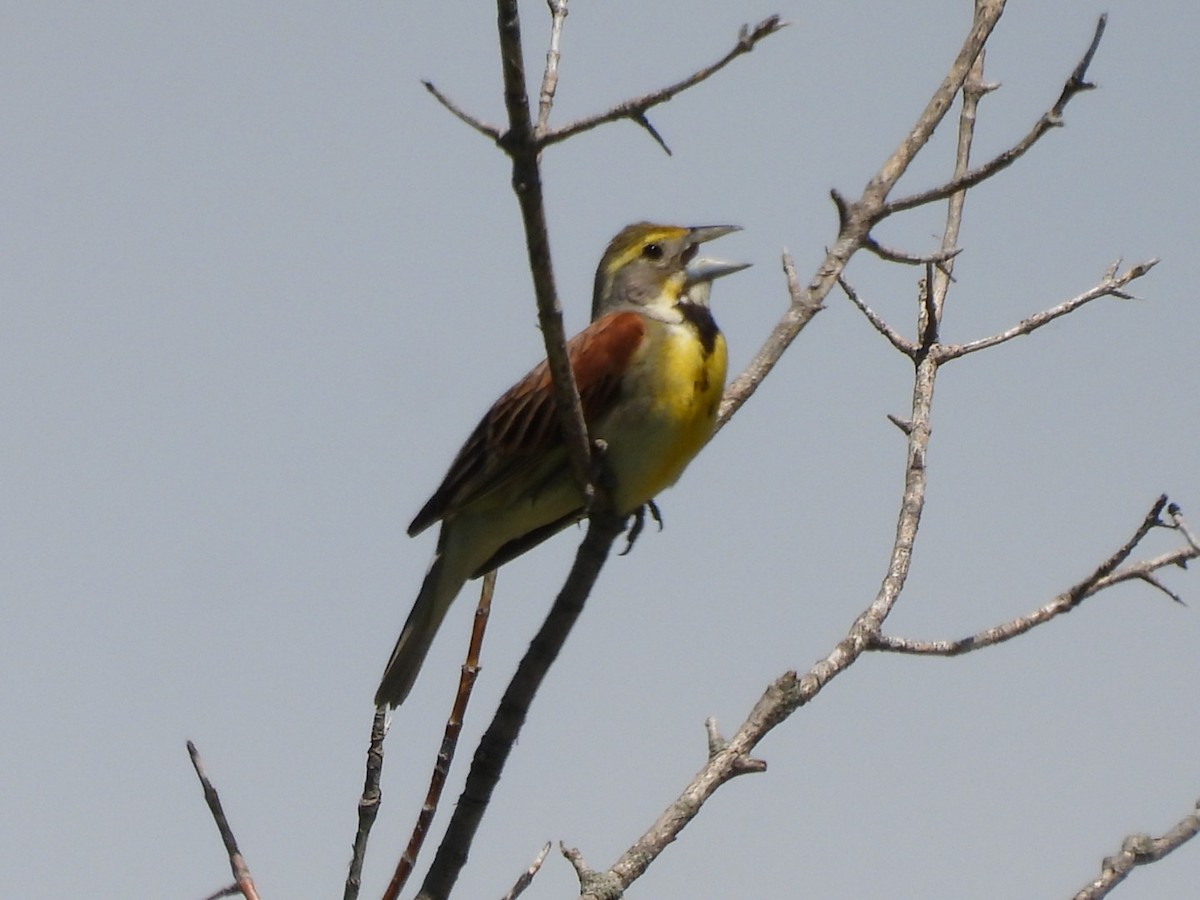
{"x":702,"y":270}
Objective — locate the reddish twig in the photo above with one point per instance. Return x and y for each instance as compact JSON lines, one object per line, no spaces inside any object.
{"x":241,"y":872}
{"x":441,"y":767}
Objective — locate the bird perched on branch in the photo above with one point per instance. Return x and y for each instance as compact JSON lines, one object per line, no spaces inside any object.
{"x":650,"y":369}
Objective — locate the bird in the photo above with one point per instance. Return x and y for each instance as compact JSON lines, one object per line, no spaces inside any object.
{"x":650,"y":370}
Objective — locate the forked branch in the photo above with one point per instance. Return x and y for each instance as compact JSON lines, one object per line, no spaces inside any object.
{"x":1051,"y":118}
{"x":636,"y":108}
{"x":1112,"y":571}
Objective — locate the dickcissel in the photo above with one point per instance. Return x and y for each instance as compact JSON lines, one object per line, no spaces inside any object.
{"x":650,"y":369}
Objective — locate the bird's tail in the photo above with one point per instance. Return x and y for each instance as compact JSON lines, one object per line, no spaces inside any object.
{"x":442,"y":583}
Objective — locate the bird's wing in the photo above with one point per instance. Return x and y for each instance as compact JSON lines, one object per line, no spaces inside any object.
{"x":521,"y":429}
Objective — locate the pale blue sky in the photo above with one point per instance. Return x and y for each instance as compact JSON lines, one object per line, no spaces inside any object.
{"x":258,"y":286}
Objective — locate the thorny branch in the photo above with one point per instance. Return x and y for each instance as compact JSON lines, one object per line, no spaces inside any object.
{"x":857,"y":218}
{"x":523,"y":142}
{"x":635,"y":110}
{"x":1052,"y":118}
{"x":791,"y":691}
{"x":1111,"y":572}
{"x":1111,"y":285}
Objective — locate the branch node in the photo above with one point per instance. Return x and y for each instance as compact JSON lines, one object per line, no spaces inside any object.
{"x":905,"y":425}
{"x":592,"y":884}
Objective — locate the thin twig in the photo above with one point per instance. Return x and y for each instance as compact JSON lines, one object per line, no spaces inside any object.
{"x":1111,"y":285}
{"x":521,"y":145}
{"x":450,"y":735}
{"x":1050,"y":119}
{"x":1139,"y":850}
{"x":892,"y":255}
{"x":1112,"y":571}
{"x":805,"y":303}
{"x":636,"y":108}
{"x":237,"y":863}
{"x":789,"y":692}
{"x":368,"y":803}
{"x":527,"y":876}
{"x":855,"y":219}
{"x":895,"y":338}
{"x":558,"y":15}
{"x":486,"y":129}
{"x":929,"y":319}
{"x":497,"y":742}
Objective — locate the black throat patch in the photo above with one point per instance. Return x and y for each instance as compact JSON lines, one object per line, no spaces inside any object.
{"x":700,"y":318}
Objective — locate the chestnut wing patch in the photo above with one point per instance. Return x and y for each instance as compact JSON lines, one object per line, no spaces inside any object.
{"x":521,"y":428}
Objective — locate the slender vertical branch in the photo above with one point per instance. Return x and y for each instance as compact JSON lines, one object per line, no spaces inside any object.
{"x":521,"y":146}
{"x":368,"y":804}
{"x":558,"y":15}
{"x":445,"y":757}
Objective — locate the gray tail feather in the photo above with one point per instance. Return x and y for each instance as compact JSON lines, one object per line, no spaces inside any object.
{"x":438,"y":591}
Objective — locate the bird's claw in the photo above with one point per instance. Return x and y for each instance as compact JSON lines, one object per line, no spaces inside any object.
{"x":639,"y":522}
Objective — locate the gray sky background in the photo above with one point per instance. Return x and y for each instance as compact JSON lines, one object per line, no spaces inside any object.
{"x":257,"y":288}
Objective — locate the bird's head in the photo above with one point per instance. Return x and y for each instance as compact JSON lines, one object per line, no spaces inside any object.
{"x":648,"y":265}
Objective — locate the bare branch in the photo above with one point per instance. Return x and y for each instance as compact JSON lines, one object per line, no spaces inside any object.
{"x":937,"y":285}
{"x":527,"y":876}
{"x":1110,"y":285}
{"x":889,"y":254}
{"x":805,"y":303}
{"x":855,"y":219}
{"x":791,"y":691}
{"x":450,"y":735}
{"x":237,"y":863}
{"x":521,"y":145}
{"x":1111,"y":572}
{"x":593,"y":885}
{"x":987,"y":14}
{"x":1139,"y":850}
{"x":558,"y":15}
{"x":368,"y":803}
{"x":637,"y":108}
{"x":894,"y":337}
{"x":497,"y":742}
{"x":1052,"y":118}
{"x":484,"y":128}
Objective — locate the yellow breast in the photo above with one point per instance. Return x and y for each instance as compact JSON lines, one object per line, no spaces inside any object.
{"x":668,"y":408}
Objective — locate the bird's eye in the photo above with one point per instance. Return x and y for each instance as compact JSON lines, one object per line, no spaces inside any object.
{"x":652,"y":251}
